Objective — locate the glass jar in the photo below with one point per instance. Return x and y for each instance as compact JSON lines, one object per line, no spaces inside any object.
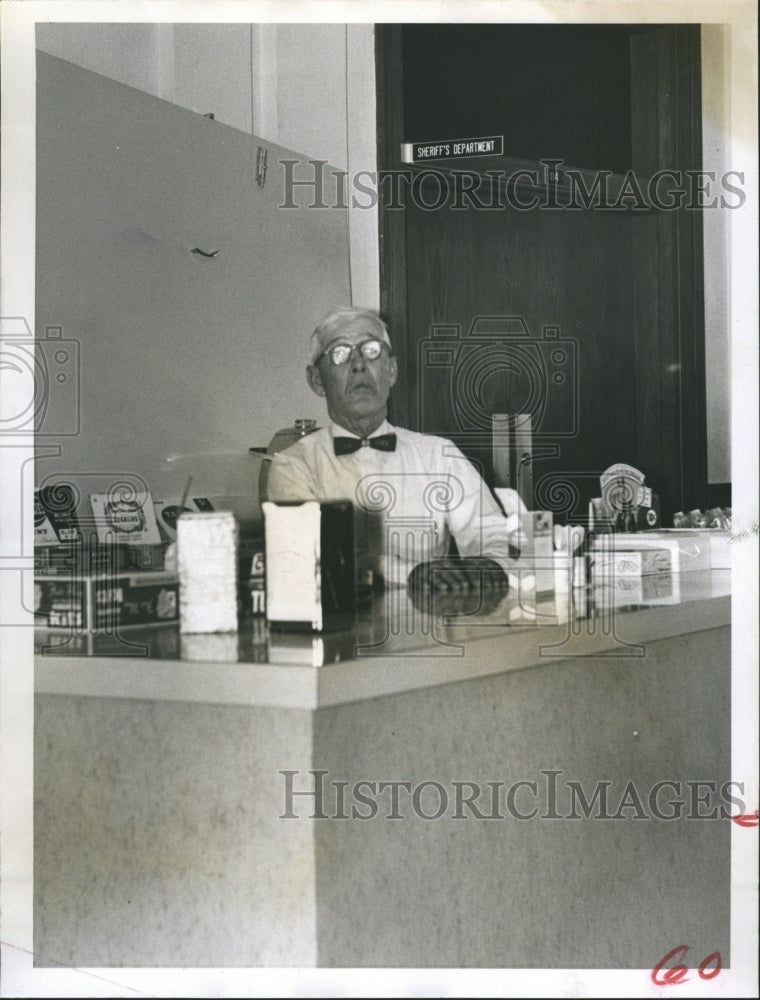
{"x":284,"y":438}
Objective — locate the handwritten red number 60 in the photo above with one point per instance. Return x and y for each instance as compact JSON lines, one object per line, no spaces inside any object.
{"x":677,"y":973}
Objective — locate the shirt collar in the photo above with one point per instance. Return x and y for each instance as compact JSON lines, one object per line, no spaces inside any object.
{"x":337,"y":431}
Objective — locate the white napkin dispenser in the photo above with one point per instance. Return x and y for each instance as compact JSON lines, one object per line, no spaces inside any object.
{"x":310,"y":567}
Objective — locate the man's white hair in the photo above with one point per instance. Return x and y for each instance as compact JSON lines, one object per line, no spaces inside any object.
{"x":332,"y":326}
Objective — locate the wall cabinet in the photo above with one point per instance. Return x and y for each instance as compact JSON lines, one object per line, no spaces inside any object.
{"x":187,"y":287}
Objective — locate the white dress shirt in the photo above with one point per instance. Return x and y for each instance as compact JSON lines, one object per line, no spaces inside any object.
{"x":408,"y":503}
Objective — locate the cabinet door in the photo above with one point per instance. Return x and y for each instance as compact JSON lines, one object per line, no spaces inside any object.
{"x":189,"y":290}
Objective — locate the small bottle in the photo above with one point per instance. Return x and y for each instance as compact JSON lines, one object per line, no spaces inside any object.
{"x":582,"y":561}
{"x":284,"y":438}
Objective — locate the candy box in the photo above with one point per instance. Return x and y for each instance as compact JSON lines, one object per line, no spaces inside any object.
{"x":88,"y":602}
{"x":692,"y":549}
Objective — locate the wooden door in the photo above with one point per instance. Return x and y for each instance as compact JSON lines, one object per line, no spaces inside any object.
{"x":603,"y":306}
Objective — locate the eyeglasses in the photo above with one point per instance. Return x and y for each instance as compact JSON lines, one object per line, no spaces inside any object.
{"x":339,"y":354}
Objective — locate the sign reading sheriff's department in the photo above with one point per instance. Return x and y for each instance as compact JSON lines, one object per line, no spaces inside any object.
{"x":452,"y":149}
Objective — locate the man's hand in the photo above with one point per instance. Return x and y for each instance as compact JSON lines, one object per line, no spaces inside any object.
{"x":458,"y":575}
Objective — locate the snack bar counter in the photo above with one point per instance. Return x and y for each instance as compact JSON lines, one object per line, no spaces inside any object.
{"x":531,"y":783}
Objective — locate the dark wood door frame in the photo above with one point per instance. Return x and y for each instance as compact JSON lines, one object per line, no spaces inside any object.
{"x":392,"y":238}
{"x":666,"y":122}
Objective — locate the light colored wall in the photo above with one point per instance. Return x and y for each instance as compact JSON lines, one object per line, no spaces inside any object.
{"x":308,"y":87}
{"x":361,"y":145}
{"x":129,"y":53}
{"x":284,"y":82}
{"x":207,"y":68}
{"x":311,"y":89}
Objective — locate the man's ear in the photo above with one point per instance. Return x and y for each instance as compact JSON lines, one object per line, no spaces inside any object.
{"x":315,"y":380}
{"x":394,"y":369}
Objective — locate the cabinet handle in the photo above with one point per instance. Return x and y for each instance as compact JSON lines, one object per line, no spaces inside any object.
{"x":261,"y":165}
{"x":202,"y":253}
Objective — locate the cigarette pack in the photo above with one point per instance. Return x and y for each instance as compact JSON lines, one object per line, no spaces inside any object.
{"x":129,"y":520}
{"x":55,"y":518}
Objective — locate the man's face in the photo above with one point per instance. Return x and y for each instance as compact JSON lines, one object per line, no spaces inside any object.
{"x":357,"y":390}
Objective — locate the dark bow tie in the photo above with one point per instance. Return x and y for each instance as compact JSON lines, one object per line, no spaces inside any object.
{"x":347,"y":445}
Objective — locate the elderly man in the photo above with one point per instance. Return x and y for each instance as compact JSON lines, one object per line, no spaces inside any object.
{"x":411,"y":492}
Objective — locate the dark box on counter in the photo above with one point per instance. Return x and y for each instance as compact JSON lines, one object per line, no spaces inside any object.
{"x":88,"y":602}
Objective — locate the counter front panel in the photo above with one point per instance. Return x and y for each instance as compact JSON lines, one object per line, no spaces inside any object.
{"x":486,"y":791}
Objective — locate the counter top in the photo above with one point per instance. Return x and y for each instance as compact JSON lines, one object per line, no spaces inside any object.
{"x":396,"y":647}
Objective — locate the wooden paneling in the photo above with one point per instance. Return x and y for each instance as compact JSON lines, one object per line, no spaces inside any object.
{"x":668,"y":282}
{"x":526,"y":82}
{"x":566,"y":276}
{"x":623,"y":287}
